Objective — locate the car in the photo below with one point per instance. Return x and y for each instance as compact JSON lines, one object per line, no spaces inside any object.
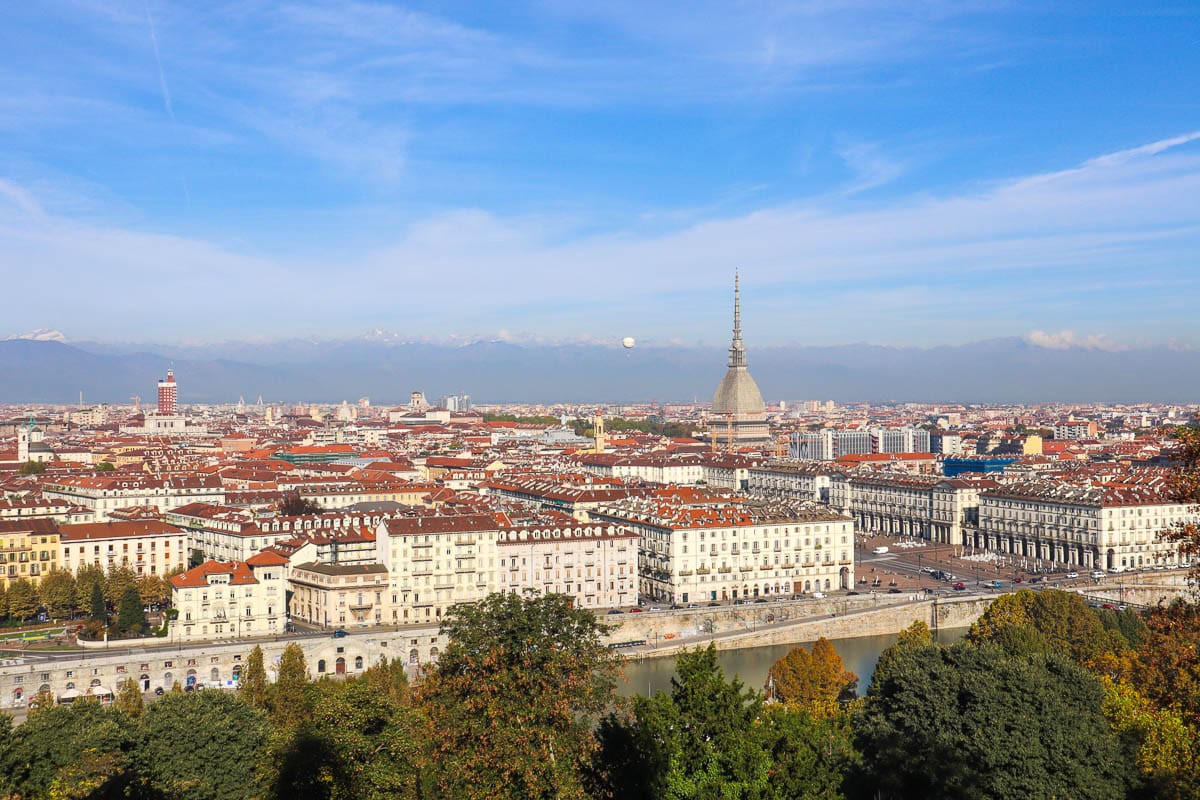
{"x":158,"y":691}
{"x":693,"y":605}
{"x":818,"y":595}
{"x":761,"y":600}
{"x":713,"y":604}
{"x":340,"y":634}
{"x":635,"y":611}
{"x":1035,"y":580}
{"x":1072,"y":576}
{"x":960,"y":586}
{"x":675,"y":606}
{"x":996,"y":585}
{"x":1108,"y":607}
{"x":1017,"y":580}
{"x":739,"y":602}
{"x":1097,"y":574}
{"x":879,"y":551}
{"x":893,"y":591}
{"x":615,"y":611}
{"x":851,"y":593}
{"x":189,"y":688}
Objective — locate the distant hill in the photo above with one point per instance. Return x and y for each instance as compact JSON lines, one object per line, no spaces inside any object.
{"x":998,"y":370}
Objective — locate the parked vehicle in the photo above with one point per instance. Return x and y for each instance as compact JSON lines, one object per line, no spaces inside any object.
{"x":1098,"y":574}
{"x":339,"y":633}
{"x":1072,"y":575}
{"x":996,"y":585}
{"x":879,"y":551}
{"x":960,"y":586}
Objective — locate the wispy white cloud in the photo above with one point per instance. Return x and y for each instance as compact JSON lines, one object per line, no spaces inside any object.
{"x":1023,"y":252}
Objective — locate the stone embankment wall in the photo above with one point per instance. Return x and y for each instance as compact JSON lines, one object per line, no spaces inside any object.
{"x":957,"y":612}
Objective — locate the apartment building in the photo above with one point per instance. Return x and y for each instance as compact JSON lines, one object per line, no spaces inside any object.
{"x":28,"y":550}
{"x":1114,"y":526}
{"x":692,"y":552}
{"x":943,"y":510}
{"x":149,"y":547}
{"x":104,"y":494}
{"x":595,"y":563}
{"x":234,"y":599}
{"x":340,"y":595}
{"x":798,"y":480}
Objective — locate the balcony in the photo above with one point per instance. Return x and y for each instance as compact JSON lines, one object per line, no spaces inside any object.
{"x":747,"y":569}
{"x":703,"y":571}
{"x":724,"y":570}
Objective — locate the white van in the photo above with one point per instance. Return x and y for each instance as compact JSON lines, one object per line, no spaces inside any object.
{"x":879,"y":551}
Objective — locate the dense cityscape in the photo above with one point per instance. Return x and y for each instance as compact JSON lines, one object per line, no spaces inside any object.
{"x":784,"y":400}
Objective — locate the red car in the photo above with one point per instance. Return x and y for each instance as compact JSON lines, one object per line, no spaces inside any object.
{"x":635,"y":611}
{"x":1016,"y":580}
{"x":960,"y":586}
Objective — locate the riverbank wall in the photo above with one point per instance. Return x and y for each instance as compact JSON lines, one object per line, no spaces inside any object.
{"x":956,"y":612}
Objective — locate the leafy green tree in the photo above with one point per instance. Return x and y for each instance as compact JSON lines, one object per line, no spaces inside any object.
{"x":3,"y":602}
{"x":1047,"y":622}
{"x":513,"y":698}
{"x":31,"y":468}
{"x":87,"y":576}
{"x":915,"y":635}
{"x":105,"y":466}
{"x":360,"y":744}
{"x":131,"y":619}
{"x":57,"y":589}
{"x":150,"y":589}
{"x":1167,"y":747}
{"x":252,"y":685}
{"x":98,"y":610}
{"x":698,"y":741}
{"x":61,"y":745}
{"x":120,"y":579}
{"x":974,"y":721}
{"x":129,"y":698}
{"x":22,"y":600}
{"x":288,"y":703}
{"x":203,"y":746}
{"x":810,"y":755}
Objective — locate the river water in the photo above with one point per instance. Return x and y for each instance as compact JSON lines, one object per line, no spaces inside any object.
{"x":649,"y":675}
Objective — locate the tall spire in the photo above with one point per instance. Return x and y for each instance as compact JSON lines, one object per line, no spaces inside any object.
{"x":737,"y":350}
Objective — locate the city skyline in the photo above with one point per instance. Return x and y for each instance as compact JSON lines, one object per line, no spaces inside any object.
{"x":927,"y":176}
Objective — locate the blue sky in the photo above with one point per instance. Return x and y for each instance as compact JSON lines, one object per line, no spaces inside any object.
{"x":907,"y":173}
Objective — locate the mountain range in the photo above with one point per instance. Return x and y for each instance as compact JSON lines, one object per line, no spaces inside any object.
{"x":47,"y":369}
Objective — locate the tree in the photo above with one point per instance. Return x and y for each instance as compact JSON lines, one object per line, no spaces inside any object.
{"x":1167,"y":667}
{"x":810,"y":756}
{"x":1047,"y":621}
{"x":288,"y":705}
{"x":150,"y":589}
{"x":974,"y":721}
{"x":129,"y":698}
{"x":57,"y":589}
{"x":31,"y":468}
{"x":699,"y":741}
{"x":513,"y":698}
{"x":1184,"y":487}
{"x":105,"y":466}
{"x":81,"y":744}
{"x":98,"y":612}
{"x":22,"y":600}
{"x":292,"y":504}
{"x":361,"y":743}
{"x":813,"y":681}
{"x":915,"y":635}
{"x":87,"y":576}
{"x":1167,"y":748}
{"x":131,"y":619}
{"x":187,"y":741}
{"x":120,"y":579}
{"x":252,"y":685}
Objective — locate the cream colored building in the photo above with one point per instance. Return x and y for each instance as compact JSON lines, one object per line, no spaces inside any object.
{"x":149,"y":547}
{"x":435,"y":561}
{"x":736,"y":550}
{"x":340,"y":595}
{"x":595,"y":563}
{"x":226,"y":600}
{"x":1112,"y":527}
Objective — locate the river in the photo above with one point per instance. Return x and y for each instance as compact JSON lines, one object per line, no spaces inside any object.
{"x":751,"y":664}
